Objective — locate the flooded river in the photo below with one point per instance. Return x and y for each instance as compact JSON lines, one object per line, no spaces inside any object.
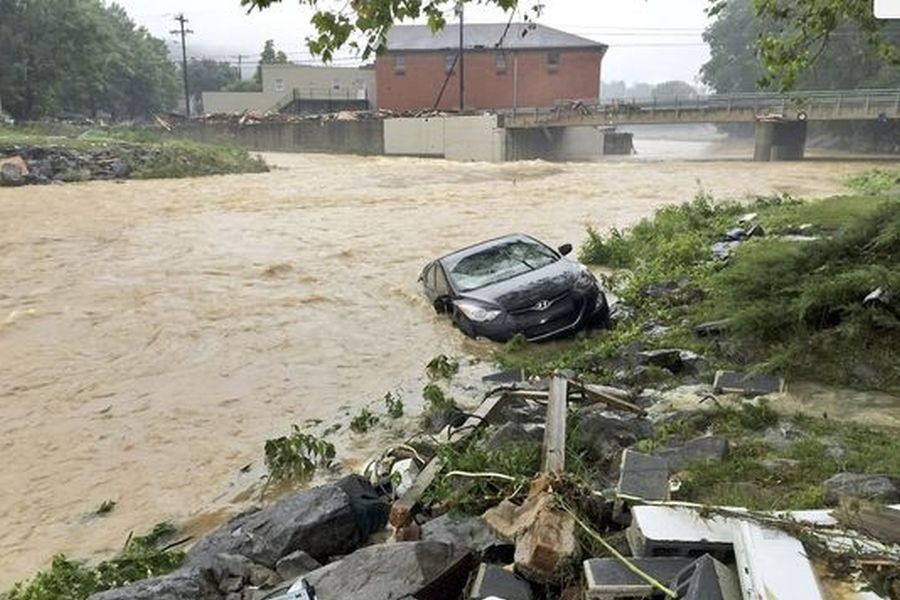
{"x":153,"y":334}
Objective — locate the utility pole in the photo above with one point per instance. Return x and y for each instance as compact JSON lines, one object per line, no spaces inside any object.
{"x":183,"y":32}
{"x":462,"y":68}
{"x":240,"y":67}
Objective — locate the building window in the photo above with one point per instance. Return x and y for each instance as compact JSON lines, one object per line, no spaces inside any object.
{"x":279,"y":85}
{"x":553,"y":61}
{"x":500,"y":62}
{"x":399,"y":64}
{"x":449,"y":62}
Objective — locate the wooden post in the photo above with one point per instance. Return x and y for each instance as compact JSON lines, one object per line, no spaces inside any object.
{"x":553,"y":457}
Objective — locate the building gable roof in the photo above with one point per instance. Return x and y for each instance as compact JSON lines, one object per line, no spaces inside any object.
{"x":520,"y":36}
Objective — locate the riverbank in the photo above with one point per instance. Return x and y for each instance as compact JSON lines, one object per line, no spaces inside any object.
{"x":35,"y":155}
{"x":193,"y":319}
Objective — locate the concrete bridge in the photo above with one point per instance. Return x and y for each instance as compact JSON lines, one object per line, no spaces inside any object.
{"x":781,"y":118}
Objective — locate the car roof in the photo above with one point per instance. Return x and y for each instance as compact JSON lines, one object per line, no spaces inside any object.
{"x":458,"y":255}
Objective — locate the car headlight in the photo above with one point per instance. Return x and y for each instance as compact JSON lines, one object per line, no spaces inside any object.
{"x":478,"y":312}
{"x":586,"y":279}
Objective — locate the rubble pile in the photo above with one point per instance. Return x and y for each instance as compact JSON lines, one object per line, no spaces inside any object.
{"x":25,"y":165}
{"x":255,"y":118}
{"x":617,"y":534}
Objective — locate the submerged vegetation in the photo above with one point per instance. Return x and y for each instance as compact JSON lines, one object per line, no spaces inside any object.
{"x":792,"y":295}
{"x":297,"y":456}
{"x":65,"y":579}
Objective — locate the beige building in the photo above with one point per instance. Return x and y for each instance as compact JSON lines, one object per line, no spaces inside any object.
{"x":308,"y":88}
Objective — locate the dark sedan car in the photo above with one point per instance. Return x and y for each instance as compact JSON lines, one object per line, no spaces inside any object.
{"x":514,"y":284}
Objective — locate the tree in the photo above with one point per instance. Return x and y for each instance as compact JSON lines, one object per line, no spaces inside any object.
{"x":802,"y":28}
{"x":207,"y":75}
{"x":737,"y":65}
{"x":674,"y":89}
{"x":97,"y":61}
{"x":269,"y":56}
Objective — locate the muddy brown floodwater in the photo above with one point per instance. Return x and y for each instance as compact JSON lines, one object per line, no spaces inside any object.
{"x":154,"y":334}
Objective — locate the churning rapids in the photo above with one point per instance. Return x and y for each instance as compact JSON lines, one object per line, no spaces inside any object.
{"x":154,"y":334}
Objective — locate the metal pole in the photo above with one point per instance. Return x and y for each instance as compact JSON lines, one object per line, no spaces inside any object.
{"x":462,"y":69}
{"x":183,"y":32}
{"x":515,"y":82}
{"x":240,"y":67}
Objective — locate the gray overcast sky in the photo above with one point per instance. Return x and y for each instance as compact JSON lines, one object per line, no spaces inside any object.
{"x":650,"y":40}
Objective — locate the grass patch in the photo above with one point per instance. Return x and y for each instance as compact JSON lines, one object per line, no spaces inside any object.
{"x":393,"y":404}
{"x":875,"y":181}
{"x":787,"y":476}
{"x":66,"y":579}
{"x":795,"y":306}
{"x":363,"y":421}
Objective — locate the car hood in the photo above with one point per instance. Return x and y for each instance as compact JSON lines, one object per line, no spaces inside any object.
{"x":527,"y":289}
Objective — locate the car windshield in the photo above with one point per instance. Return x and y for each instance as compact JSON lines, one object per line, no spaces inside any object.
{"x":499,"y":263}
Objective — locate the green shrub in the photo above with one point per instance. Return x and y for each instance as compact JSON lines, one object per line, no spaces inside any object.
{"x":394,"y":405}
{"x":363,"y":421}
{"x":442,"y":367}
{"x":298,"y":455}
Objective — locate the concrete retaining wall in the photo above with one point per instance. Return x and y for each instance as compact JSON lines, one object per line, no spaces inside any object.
{"x":471,"y":138}
{"x":338,"y":137}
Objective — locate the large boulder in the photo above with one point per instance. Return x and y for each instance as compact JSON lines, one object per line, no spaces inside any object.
{"x":13,"y":171}
{"x":324,"y":521}
{"x":383,"y":572}
{"x":878,"y":488}
{"x":183,"y":584}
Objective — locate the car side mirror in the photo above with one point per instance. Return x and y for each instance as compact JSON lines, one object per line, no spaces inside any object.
{"x":565,"y":249}
{"x":442,"y":304}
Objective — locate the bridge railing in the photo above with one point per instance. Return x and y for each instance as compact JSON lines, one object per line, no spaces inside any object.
{"x":832,"y":103}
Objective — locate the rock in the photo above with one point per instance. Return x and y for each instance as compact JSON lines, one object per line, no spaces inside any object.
{"x":711,"y":328}
{"x":732,"y":382}
{"x":465,"y":533}
{"x":723,"y":250}
{"x":666,"y":359}
{"x":676,"y":292}
{"x":183,"y":584}
{"x":322,"y":521}
{"x":120,"y":169}
{"x":513,"y":433}
{"x":877,"y":488}
{"x":13,"y":171}
{"x":296,"y":564}
{"x":756,"y":231}
{"x":710,"y":448}
{"x":602,"y":437}
{"x":736,"y":235}
{"x":548,"y":547}
{"x":228,"y":567}
{"x":521,"y":411}
{"x":384,"y":572}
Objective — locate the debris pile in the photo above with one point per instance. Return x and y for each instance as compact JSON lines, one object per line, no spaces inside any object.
{"x":24,"y":164}
{"x":551,"y":533}
{"x":248,"y":117}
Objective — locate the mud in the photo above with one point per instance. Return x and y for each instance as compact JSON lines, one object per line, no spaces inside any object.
{"x":153,"y":334}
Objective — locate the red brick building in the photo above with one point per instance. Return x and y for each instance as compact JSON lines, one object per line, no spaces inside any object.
{"x":525,"y":66}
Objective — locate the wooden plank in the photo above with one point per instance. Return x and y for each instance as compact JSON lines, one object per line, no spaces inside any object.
{"x":404,"y":507}
{"x":553,"y":457}
{"x":604,"y":395}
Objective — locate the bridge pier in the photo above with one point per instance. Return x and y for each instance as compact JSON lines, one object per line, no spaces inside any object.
{"x":780,"y":140}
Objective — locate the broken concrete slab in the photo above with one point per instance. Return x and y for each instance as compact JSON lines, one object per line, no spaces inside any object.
{"x":707,"y":579}
{"x":712,"y":328}
{"x":508,"y":376}
{"x":383,"y":572}
{"x":611,"y":579}
{"x":602,"y":435}
{"x":672,"y":531}
{"x":465,"y":533}
{"x":732,"y":382}
{"x":884,"y":489}
{"x":514,"y":433}
{"x":665,"y":358}
{"x":493,"y":581}
{"x":643,"y":476}
{"x":509,"y":520}
{"x":710,"y":448}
